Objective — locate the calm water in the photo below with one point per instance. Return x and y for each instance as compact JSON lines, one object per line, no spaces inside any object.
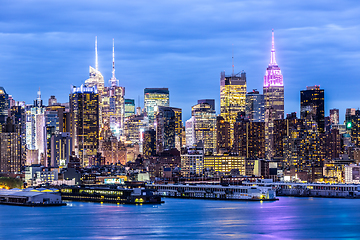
{"x":289,"y":218}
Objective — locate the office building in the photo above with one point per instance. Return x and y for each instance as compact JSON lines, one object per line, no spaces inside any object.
{"x":134,"y":127}
{"x":11,"y":152}
{"x":129,"y":107}
{"x":211,"y":102}
{"x":232,"y":97}
{"x":273,"y":91}
{"x":4,"y":105}
{"x":190,"y":132}
{"x":165,"y":121}
{"x":222,"y":135}
{"x":155,"y":97}
{"x":84,"y":108}
{"x":312,"y":106}
{"x":255,"y":106}
{"x":225,"y":163}
{"x":205,"y":126}
{"x":149,"y":143}
{"x":334,"y":116}
{"x":192,"y":162}
{"x":60,"y":149}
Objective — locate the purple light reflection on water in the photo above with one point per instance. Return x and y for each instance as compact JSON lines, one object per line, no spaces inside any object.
{"x":288,"y":218}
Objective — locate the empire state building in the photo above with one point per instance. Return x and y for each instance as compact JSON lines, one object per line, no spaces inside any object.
{"x":274,"y":100}
{"x":274,"y":86}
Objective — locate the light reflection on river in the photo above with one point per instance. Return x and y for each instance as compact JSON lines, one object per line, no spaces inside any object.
{"x":288,"y":218}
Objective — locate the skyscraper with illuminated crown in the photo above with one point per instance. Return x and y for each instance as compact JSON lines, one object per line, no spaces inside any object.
{"x":273,"y":91}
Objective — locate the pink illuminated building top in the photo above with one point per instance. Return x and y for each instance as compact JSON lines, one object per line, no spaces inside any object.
{"x":273,"y":76}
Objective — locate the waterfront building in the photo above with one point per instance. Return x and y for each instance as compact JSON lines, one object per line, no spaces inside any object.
{"x":249,"y":139}
{"x":273,"y":91}
{"x":11,"y":152}
{"x":129,"y":107}
{"x":205,"y":124}
{"x":222,"y":135}
{"x":232,"y":98}
{"x":225,"y":163}
{"x":255,"y":106}
{"x":312,"y":106}
{"x":192,"y":162}
{"x":352,"y":174}
{"x":84,"y":108}
{"x":149,"y":143}
{"x":190,"y":132}
{"x":4,"y":105}
{"x":155,"y":97}
{"x":165,"y":121}
{"x":60,"y":149}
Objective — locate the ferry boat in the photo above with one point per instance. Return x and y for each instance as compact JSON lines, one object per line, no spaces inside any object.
{"x":248,"y":193}
{"x":110,"y":194}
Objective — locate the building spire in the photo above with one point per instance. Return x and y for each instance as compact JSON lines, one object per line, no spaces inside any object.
{"x":233,"y":60}
{"x":273,"y":60}
{"x":96,"y":55}
{"x":113,"y":70}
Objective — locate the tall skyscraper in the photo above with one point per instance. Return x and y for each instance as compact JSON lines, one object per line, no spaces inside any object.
{"x":312,"y":106}
{"x":255,"y":106}
{"x":96,"y":78}
{"x":84,"y":108}
{"x":222,"y":135}
{"x":165,"y":128}
{"x":334,"y":116}
{"x":155,"y":97}
{"x":211,"y":102}
{"x":4,"y":105}
{"x":232,"y":97}
{"x":273,"y":91}
{"x":35,"y":130}
{"x":11,"y":155}
{"x":190,"y":132}
{"x":129,"y":107}
{"x":205,"y":125}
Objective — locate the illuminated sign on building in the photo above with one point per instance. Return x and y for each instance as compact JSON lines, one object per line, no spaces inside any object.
{"x":114,"y":181}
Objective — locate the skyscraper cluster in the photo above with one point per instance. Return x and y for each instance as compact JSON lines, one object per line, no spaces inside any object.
{"x":99,"y":126}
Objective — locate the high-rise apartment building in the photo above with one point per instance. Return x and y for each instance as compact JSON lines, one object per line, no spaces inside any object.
{"x":273,"y":91}
{"x":205,"y":126}
{"x":232,"y":97}
{"x":60,"y":149}
{"x":155,"y":97}
{"x":149,"y":143}
{"x":190,"y":132}
{"x":11,"y":155}
{"x":134,"y":127}
{"x":312,"y":106}
{"x":84,"y":108}
{"x":255,"y":106}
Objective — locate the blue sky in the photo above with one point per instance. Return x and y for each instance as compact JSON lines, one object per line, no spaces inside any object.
{"x":182,"y":45}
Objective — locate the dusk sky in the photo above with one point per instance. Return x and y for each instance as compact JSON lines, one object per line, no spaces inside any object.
{"x":182,"y":45}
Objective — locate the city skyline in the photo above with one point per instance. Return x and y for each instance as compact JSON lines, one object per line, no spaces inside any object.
{"x":180,"y":51}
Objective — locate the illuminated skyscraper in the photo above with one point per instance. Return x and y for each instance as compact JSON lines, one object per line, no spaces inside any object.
{"x":84,"y":108}
{"x":129,"y":107}
{"x":96,"y":78}
{"x":155,"y":97}
{"x":165,"y":128}
{"x":334,"y":116}
{"x":312,"y":106}
{"x":190,"y":132}
{"x":273,"y":91}
{"x":35,"y":129}
{"x":232,"y":97}
{"x":4,"y":105}
{"x":255,"y":110}
{"x":222,"y":135}
{"x":205,"y":124}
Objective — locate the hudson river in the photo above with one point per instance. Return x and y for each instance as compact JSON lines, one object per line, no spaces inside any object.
{"x":288,"y":218}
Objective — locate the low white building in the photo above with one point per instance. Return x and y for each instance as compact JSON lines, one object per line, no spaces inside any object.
{"x":352,"y":174}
